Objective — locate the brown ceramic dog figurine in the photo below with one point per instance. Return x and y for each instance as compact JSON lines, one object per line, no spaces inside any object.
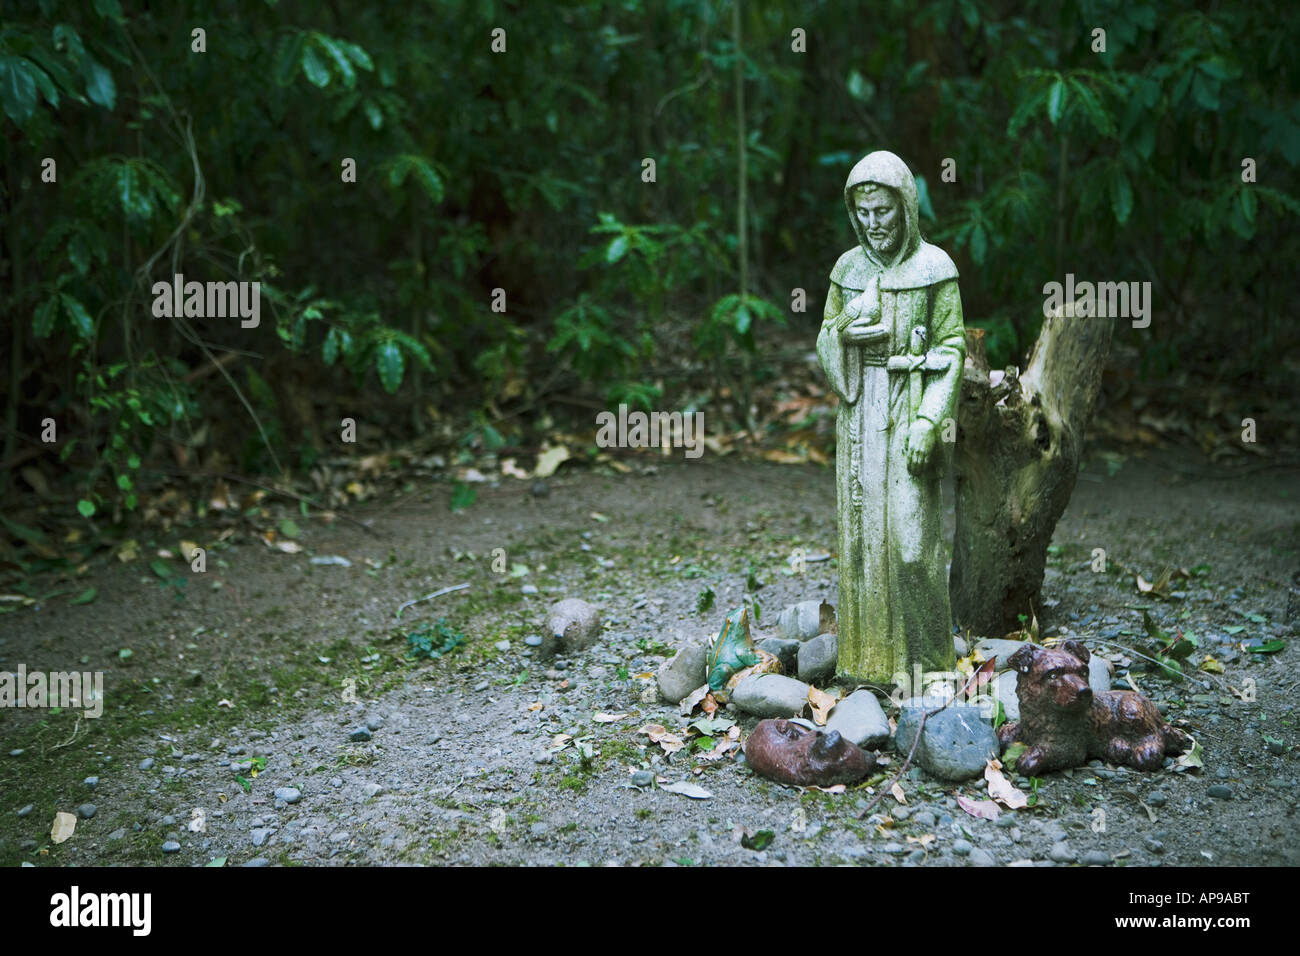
{"x":1064,"y":724}
{"x":786,"y":752}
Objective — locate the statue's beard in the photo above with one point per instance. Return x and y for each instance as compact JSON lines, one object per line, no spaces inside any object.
{"x":883,"y":244}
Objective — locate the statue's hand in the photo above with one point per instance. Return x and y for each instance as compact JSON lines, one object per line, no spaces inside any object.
{"x":920,"y":443}
{"x":862,"y":331}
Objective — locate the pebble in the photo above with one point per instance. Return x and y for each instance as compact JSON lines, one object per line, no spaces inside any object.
{"x":962,"y":847}
{"x":360,"y":734}
{"x":859,"y":718}
{"x":528,"y":589}
{"x":169,"y":821}
{"x":16,"y":752}
{"x":373,"y":789}
{"x":533,"y":640}
{"x":502,"y":645}
{"x":86,"y":811}
{"x":642,"y":778}
{"x":1096,"y":858}
{"x":91,"y":781}
{"x":260,"y":835}
{"x":481,"y":686}
{"x":817,"y":658}
{"x":957,"y":743}
{"x":538,"y":829}
{"x":1275,"y":747}
{"x":916,"y":856}
{"x":374,"y":723}
{"x":146,"y":763}
{"x":26,"y":810}
{"x":1154,"y":845}
{"x":288,"y":794}
{"x":1220,"y":791}
{"x":982,"y":857}
{"x":119,"y":834}
{"x":543,"y":757}
{"x":1156,"y":798}
{"x":1006,"y":821}
{"x":171,"y":846}
{"x":340,"y":836}
{"x":257,"y":861}
{"x":1060,"y":853}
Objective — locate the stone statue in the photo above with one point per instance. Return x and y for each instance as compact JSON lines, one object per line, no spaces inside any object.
{"x":892,"y":345}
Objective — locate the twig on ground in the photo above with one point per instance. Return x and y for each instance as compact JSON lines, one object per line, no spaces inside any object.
{"x":75,"y":727}
{"x":429,"y":597}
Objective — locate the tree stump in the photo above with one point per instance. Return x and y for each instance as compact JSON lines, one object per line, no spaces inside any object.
{"x":1018,"y":446}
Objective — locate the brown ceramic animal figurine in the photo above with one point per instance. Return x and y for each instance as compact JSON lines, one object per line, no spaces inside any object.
{"x":786,"y":752}
{"x":1064,"y":724}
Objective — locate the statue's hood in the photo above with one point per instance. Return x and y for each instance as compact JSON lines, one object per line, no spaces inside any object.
{"x":886,"y":169}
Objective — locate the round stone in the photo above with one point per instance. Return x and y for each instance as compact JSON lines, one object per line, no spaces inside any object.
{"x":26,"y":810}
{"x":1220,"y":791}
{"x":1156,"y":798}
{"x":86,"y":811}
{"x":962,"y":847}
{"x":533,"y":640}
{"x":288,"y":794}
{"x":642,"y":778}
{"x":171,"y":846}
{"x":146,"y":763}
{"x":1096,"y":858}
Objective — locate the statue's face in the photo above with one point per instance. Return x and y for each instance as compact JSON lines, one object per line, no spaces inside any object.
{"x":881,"y":216}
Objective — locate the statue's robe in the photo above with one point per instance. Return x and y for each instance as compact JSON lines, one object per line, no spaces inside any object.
{"x":893,"y":611}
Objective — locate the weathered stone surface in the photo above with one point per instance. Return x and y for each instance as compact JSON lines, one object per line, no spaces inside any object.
{"x":785,"y":650}
{"x":817,"y":658}
{"x":805,"y":620}
{"x":860,"y":719}
{"x":771,"y":695}
{"x":683,"y":673}
{"x":783,"y":751}
{"x":957,"y":742}
{"x":892,"y":345}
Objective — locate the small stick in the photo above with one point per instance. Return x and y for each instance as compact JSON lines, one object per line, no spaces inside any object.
{"x":429,"y":597}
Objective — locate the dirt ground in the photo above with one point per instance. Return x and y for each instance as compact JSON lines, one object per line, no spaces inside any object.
{"x":257,"y":675}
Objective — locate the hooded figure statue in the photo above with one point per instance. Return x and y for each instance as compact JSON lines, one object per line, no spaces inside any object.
{"x":892,"y":345}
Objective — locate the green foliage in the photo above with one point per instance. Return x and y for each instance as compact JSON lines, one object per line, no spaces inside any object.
{"x":434,"y":641}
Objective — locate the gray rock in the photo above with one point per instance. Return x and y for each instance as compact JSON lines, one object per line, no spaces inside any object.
{"x":171,"y":846}
{"x":528,"y":589}
{"x":785,"y":650}
{"x":257,"y":861}
{"x":1060,"y":853}
{"x":859,"y":718}
{"x":806,"y":620}
{"x":574,"y":623}
{"x":119,"y":834}
{"x":1275,"y":747}
{"x":960,"y":646}
{"x":982,"y":857}
{"x":957,"y":743}
{"x":86,"y":811}
{"x":146,"y":763}
{"x":999,"y":647}
{"x":1004,"y":689}
{"x":1156,"y":798}
{"x":642,"y":778}
{"x":169,"y":821}
{"x":817,"y":658}
{"x":771,"y":695}
{"x":374,"y":723}
{"x":683,"y":673}
{"x":91,"y":781}
{"x":962,"y":847}
{"x":26,"y":810}
{"x":1096,"y":858}
{"x":260,"y":835}
{"x":502,"y":646}
{"x":1154,"y":845}
{"x":924,"y":818}
{"x":544,"y":757}
{"x":1220,"y":791}
{"x":372,"y":789}
{"x":288,"y":794}
{"x":360,"y":734}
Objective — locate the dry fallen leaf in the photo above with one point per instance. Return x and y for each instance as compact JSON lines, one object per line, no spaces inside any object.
{"x":924,"y":839}
{"x":821,"y":703}
{"x":659,"y":734}
{"x":897,"y":792}
{"x":288,"y":547}
{"x":1001,"y":789}
{"x":603,"y":718}
{"x":833,"y":788}
{"x":549,"y":460}
{"x":709,"y":705}
{"x":983,"y":809}
{"x":64,"y":825}
{"x":536,"y":705}
{"x":691,"y":700}
{"x":686,"y":789}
